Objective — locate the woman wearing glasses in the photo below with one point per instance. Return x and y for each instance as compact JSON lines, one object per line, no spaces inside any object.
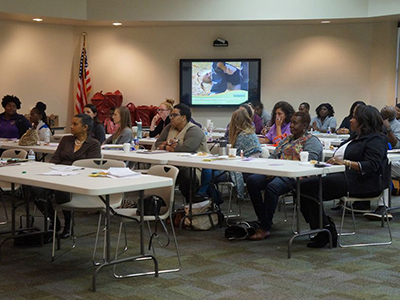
{"x":162,"y":117}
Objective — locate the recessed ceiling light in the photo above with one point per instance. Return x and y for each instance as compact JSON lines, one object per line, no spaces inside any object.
{"x":325,"y":22}
{"x":117,"y":24}
{"x":38,"y":20}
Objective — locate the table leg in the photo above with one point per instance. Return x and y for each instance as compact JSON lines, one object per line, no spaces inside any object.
{"x":308,"y":232}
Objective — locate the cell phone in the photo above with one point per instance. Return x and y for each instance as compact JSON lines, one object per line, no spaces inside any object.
{"x":320,"y":165}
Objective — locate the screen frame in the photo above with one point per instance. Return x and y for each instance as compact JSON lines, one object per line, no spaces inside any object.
{"x":257,"y":94}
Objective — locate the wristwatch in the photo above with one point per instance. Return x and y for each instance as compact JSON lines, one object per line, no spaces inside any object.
{"x":389,"y":129}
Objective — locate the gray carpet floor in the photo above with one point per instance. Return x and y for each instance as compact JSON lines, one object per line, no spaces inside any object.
{"x":212,"y":266}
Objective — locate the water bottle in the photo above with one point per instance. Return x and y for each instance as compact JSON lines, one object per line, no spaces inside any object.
{"x":223,"y":147}
{"x":47,"y":135}
{"x":31,"y":155}
{"x":139,"y":129}
{"x":328,"y":131}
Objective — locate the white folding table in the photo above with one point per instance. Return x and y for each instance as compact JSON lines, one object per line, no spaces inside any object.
{"x":27,"y":174}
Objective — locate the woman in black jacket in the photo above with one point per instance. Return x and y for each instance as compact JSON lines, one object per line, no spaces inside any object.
{"x":364,"y":154}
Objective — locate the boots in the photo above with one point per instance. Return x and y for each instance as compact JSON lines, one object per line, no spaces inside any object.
{"x":322,"y":238}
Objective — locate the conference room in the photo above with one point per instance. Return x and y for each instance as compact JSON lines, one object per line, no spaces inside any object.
{"x":330,"y":52}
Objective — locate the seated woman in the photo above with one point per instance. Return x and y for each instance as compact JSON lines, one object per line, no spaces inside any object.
{"x":98,"y":131}
{"x":12,"y":125}
{"x":182,"y":136}
{"x":38,"y":119}
{"x":243,"y":138}
{"x":124,"y":133}
{"x":281,"y":115}
{"x":324,"y":120}
{"x":289,"y":149}
{"x":344,"y":127}
{"x":73,"y":147}
{"x":256,"y":120}
{"x":364,"y":155}
{"x":162,"y":117}
{"x":305,"y":107}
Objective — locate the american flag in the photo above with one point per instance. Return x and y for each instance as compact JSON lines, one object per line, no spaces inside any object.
{"x":84,"y":84}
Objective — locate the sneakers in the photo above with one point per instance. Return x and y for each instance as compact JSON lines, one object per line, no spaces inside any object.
{"x":377,"y":214}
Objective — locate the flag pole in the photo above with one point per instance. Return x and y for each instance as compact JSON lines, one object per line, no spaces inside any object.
{"x":84,"y":34}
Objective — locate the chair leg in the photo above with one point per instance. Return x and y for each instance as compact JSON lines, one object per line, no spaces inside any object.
{"x":54,"y":236}
{"x":354,"y":232}
{"x":5,"y":209}
{"x":151,"y":272}
{"x":95,"y":244}
{"x":73,"y":237}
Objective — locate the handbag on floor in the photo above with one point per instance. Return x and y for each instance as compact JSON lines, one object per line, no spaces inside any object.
{"x":203,"y":222}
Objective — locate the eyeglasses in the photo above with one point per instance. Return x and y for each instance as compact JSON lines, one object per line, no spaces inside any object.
{"x":174,"y":115}
{"x":159,"y":109}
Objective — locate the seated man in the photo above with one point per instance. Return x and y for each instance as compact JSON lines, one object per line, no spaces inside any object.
{"x":392,"y":125}
{"x":182,"y":136}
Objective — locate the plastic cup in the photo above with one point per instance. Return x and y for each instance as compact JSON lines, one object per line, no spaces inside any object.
{"x":127,"y":147}
{"x":303,"y":156}
{"x":327,"y":145}
{"x":232,"y":152}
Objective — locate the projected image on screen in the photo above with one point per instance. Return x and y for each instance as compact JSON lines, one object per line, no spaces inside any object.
{"x":220,"y":82}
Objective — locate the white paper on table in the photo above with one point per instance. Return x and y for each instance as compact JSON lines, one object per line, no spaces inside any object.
{"x":61,"y":168}
{"x":122,"y":172}
{"x":58,"y":173}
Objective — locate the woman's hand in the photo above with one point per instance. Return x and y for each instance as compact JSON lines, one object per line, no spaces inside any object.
{"x":342,"y":131}
{"x":154,"y":122}
{"x":314,"y":126}
{"x":335,"y":161}
{"x":265,"y":130}
{"x":278,"y":121}
{"x":163,"y":146}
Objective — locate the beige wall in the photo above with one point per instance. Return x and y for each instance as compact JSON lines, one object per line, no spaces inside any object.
{"x":314,"y":63}
{"x":36,"y":63}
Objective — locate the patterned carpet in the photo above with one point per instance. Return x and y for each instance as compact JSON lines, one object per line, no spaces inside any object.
{"x":213,"y":267}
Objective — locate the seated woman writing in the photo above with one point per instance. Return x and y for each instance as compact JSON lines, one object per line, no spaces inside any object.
{"x":281,"y":115}
{"x":123,"y":134}
{"x":364,"y":155}
{"x":289,"y":148}
{"x":73,"y":147}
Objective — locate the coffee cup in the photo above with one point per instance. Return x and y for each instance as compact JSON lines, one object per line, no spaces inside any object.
{"x":232,"y":152}
{"x":303,"y":156}
{"x":127,"y":147}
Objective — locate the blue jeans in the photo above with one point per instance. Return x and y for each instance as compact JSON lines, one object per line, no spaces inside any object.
{"x":274,"y":187}
{"x":208,"y":175}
